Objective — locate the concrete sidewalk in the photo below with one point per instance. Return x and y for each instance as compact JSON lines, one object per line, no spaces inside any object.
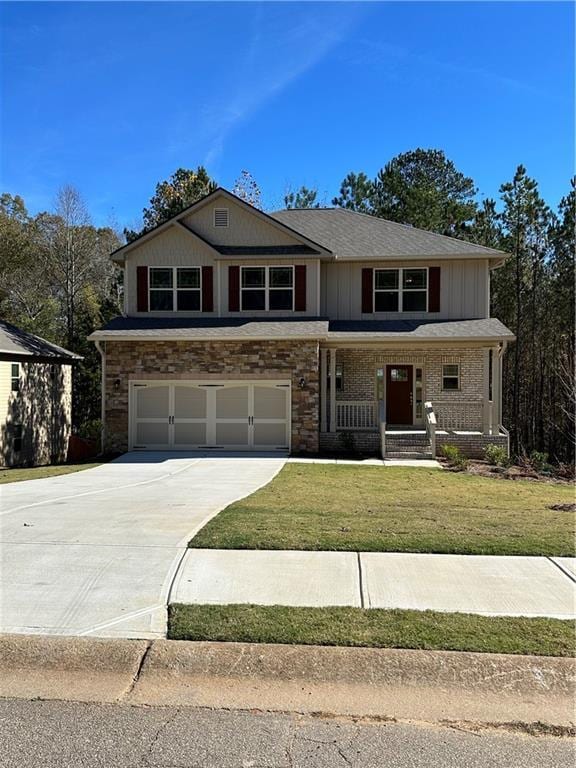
{"x":486,"y":585}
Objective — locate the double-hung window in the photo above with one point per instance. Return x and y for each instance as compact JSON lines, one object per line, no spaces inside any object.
{"x":175,"y":289}
{"x":267,"y":288}
{"x":401,"y":290}
{"x":15,"y":377}
{"x":451,"y":376}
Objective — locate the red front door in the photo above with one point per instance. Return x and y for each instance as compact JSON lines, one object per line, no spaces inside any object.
{"x":399,"y":394}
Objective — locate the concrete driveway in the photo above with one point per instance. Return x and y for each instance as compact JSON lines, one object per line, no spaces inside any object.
{"x":95,"y":553}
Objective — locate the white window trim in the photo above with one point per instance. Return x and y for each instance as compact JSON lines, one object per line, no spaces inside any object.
{"x":15,"y":378}
{"x":219,"y":210}
{"x":400,"y":290}
{"x":458,"y":377}
{"x":266,"y":287}
{"x":174,"y":289}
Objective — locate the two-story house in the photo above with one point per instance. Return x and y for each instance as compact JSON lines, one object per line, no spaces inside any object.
{"x":303,"y":331}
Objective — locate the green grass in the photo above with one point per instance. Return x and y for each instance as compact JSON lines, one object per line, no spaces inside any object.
{"x":373,"y":628}
{"x":17,"y":474}
{"x":371,"y":509}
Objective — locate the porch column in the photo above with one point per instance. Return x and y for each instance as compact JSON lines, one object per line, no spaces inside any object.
{"x":323,"y":389}
{"x":497,"y":388}
{"x":487,"y":415}
{"x":332,"y":390}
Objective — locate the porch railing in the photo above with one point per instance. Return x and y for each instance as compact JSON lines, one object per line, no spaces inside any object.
{"x":356,"y":414}
{"x":459,"y":415}
{"x":430,"y":422}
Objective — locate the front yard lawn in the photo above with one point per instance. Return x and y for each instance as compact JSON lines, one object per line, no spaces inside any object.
{"x":396,"y":509}
{"x":17,"y":474}
{"x":374,"y":628}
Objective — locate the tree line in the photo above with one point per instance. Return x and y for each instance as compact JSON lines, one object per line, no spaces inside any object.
{"x":56,"y":279}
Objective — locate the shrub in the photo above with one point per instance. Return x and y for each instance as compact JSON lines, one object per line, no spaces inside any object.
{"x":91,"y":430}
{"x":496,"y":455}
{"x":452,"y":454}
{"x":539,"y":461}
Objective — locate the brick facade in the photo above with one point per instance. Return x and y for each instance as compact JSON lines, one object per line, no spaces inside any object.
{"x":292,"y":360}
{"x":461,"y":409}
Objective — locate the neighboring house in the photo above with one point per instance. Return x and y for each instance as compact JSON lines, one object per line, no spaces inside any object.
{"x":35,"y":398}
{"x":304,"y":330}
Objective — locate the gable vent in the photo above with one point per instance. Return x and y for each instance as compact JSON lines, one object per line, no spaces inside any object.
{"x":220,"y":217}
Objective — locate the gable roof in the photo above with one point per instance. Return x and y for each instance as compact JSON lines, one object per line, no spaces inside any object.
{"x":15,"y":341}
{"x":359,"y":236}
{"x":119,"y":253}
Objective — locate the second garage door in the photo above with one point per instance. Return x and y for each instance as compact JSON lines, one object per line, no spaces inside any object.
{"x":235,"y":415}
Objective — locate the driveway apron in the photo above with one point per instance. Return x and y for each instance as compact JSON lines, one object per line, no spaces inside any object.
{"x":95,"y":553}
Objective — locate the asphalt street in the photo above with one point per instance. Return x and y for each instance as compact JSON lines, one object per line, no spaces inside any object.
{"x":53,"y":734}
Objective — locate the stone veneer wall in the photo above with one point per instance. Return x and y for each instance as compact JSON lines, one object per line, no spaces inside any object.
{"x":460,"y":409}
{"x":283,"y":359}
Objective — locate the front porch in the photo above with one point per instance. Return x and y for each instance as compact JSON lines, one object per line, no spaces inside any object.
{"x":408,"y":403}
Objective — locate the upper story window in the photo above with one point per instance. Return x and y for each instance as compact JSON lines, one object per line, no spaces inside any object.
{"x":175,"y":289}
{"x":267,"y":288}
{"x":401,"y":290}
{"x":220,"y":217}
{"x":15,"y":377}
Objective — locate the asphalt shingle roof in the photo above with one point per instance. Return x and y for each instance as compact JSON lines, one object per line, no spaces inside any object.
{"x":15,"y":341}
{"x":216,"y":328}
{"x":353,"y":235}
{"x":146,"y":328}
{"x":424,"y":330}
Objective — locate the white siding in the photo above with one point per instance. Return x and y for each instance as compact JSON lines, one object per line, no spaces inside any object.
{"x":463,"y":290}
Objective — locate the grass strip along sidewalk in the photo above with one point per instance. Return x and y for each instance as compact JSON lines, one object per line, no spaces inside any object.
{"x":371,"y":509}
{"x":372,"y":628}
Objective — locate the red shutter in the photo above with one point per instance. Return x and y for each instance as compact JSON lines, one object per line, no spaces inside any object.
{"x":300,"y":288}
{"x":142,"y":289}
{"x":434,"y":289}
{"x":207,"y":289}
{"x":234,"y":289}
{"x":367,"y":291}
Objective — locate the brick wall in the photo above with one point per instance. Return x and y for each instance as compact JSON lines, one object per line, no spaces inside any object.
{"x":194,"y":360}
{"x":460,"y":409}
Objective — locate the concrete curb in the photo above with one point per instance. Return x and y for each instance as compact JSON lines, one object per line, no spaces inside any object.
{"x":430,"y":686}
{"x":70,"y":668}
{"x":403,"y":684}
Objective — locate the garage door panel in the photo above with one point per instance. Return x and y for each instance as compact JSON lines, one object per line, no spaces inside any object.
{"x":152,"y":433}
{"x":269,"y":402}
{"x":189,"y":402}
{"x":232,"y":402}
{"x":270,"y":434}
{"x":230,"y":433}
{"x":152,"y":402}
{"x":189,"y":433}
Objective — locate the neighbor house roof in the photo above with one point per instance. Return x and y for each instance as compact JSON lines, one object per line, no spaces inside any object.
{"x":352,"y":235}
{"x":15,"y":341}
{"x":321,"y":329}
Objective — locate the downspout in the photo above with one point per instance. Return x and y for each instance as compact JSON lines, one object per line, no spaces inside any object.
{"x":102,"y":349}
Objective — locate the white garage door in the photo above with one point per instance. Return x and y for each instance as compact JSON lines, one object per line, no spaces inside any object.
{"x":235,"y":415}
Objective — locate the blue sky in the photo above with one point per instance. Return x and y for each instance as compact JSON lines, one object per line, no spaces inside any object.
{"x":113,"y":97}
